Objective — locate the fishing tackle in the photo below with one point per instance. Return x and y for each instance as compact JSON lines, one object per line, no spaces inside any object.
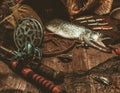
{"x":30,"y":30}
{"x":51,"y":74}
{"x":23,"y":66}
{"x":27,"y":36}
{"x":94,"y":23}
{"x":103,"y":80}
{"x":103,"y":28}
{"x":92,"y":20}
{"x":72,"y":31}
{"x":98,"y":24}
{"x":84,"y":18}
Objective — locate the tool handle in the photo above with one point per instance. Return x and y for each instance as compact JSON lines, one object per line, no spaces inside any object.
{"x":28,"y":73}
{"x":44,"y":70}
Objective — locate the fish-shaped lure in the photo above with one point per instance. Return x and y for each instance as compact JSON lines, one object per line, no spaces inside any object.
{"x":70,"y":30}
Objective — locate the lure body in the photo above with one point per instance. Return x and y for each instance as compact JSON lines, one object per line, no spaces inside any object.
{"x":65,"y":29}
{"x":70,"y":30}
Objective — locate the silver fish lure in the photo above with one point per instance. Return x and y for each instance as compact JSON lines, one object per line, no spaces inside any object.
{"x":72,"y":31}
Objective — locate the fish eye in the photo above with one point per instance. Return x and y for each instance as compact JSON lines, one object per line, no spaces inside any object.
{"x":94,"y":36}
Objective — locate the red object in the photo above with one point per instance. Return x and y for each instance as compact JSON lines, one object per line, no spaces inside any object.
{"x":107,"y":27}
{"x":14,"y":64}
{"x":41,"y":80}
{"x":26,"y":71}
{"x":117,"y":51}
{"x":103,"y":28}
{"x":47,"y":84}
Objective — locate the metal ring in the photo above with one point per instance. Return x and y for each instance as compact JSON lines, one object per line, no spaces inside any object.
{"x":29,"y":30}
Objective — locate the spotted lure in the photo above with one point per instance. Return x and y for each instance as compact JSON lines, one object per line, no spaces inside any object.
{"x":70,"y":30}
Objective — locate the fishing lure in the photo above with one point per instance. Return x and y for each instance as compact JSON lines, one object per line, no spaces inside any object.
{"x":72,"y":31}
{"x":103,"y":80}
